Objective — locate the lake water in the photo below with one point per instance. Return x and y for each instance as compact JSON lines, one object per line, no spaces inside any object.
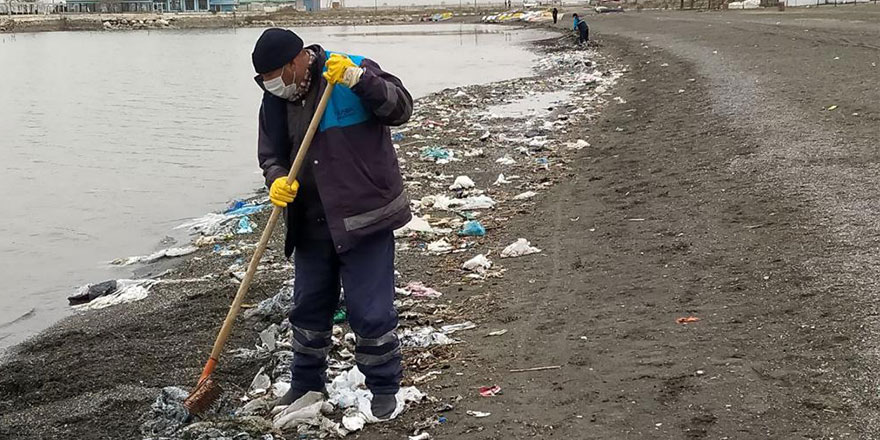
{"x":110,"y":139}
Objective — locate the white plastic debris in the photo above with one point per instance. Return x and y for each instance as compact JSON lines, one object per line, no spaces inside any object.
{"x":525,"y":195}
{"x":155,"y":256}
{"x":442,"y":202}
{"x":417,"y":224}
{"x":462,"y":182}
{"x":440,"y":246}
{"x":501,"y":180}
{"x":260,"y":384}
{"x":579,"y":145}
{"x":354,"y":422}
{"x":506,"y":160}
{"x":419,"y":289}
{"x":452,"y":328}
{"x":423,"y":337}
{"x":306,"y":408}
{"x":126,"y":291}
{"x":422,"y":436}
{"x":478,"y":414}
{"x":479,"y":264}
{"x":279,"y":389}
{"x":519,"y":248}
{"x":348,"y":391}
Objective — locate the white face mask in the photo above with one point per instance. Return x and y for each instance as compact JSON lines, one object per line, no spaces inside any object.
{"x":277,"y":87}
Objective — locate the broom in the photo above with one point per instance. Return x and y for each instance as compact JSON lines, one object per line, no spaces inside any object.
{"x":207,"y":391}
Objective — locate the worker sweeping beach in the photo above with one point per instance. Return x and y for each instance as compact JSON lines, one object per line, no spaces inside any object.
{"x":342,"y":209}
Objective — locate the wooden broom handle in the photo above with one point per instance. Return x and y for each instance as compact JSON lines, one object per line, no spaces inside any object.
{"x":264,"y":238}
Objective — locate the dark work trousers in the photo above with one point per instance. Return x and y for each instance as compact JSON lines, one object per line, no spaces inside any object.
{"x":583,"y":32}
{"x":367,"y":275}
{"x":554,"y":18}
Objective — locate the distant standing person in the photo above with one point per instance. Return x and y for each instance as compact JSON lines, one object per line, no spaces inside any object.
{"x":582,"y":29}
{"x":555,"y":15}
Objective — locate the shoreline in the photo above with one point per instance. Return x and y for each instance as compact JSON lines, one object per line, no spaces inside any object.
{"x":210,"y":297}
{"x":227,"y":20}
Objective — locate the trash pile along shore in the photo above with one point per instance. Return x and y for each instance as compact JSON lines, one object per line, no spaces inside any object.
{"x":472,"y":157}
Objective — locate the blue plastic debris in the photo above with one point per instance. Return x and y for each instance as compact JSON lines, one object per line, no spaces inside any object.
{"x":542,"y":160}
{"x":238,"y":204}
{"x":245,"y":226}
{"x":245,"y":210}
{"x":472,"y":228}
{"x":218,"y":248}
{"x":436,"y":153}
{"x":396,"y":137}
{"x":441,"y":419}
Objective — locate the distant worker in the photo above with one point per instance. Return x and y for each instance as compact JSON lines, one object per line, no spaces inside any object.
{"x":582,"y":29}
{"x":555,"y":15}
{"x":342,"y":209}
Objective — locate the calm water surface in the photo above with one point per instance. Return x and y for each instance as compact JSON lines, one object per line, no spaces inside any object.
{"x":110,"y":139}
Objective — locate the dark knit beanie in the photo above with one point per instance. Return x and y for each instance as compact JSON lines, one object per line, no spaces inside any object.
{"x":275,"y":48}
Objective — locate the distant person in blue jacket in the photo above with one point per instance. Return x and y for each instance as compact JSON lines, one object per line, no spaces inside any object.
{"x":583,"y":30}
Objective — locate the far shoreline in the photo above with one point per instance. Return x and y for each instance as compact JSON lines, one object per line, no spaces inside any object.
{"x":68,"y":22}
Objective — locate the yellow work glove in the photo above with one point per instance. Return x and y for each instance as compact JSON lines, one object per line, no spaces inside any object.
{"x":342,"y":70}
{"x":280,"y":193}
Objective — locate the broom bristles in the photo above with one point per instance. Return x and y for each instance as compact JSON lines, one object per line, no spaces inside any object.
{"x":202,"y":397}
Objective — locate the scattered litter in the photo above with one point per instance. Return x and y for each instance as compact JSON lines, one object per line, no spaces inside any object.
{"x":519,"y":248}
{"x":472,"y":228}
{"x":437,"y":154}
{"x":467,"y":203}
{"x":306,"y":408}
{"x":126,"y":291}
{"x":579,"y":145}
{"x":687,"y":320}
{"x":476,"y":152}
{"x":478,"y":414}
{"x":417,"y":288}
{"x":523,"y":370}
{"x":440,"y":246}
{"x":450,"y":329}
{"x":89,"y":292}
{"x":444,"y":128}
{"x":213,"y":224}
{"x":462,"y":182}
{"x":506,"y":160}
{"x":525,"y":195}
{"x":422,"y":436}
{"x":832,"y":108}
{"x":479,"y":264}
{"x":245,"y":226}
{"x":423,"y":337}
{"x":155,"y":256}
{"x":490,"y":391}
{"x":501,"y":180}
{"x":348,"y":392}
{"x":167,"y":414}
{"x":260,"y":384}
{"x":113,"y":292}
{"x":417,"y":224}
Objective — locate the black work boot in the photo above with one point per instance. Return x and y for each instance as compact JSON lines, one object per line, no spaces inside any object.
{"x":293,"y":394}
{"x":383,"y":405}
